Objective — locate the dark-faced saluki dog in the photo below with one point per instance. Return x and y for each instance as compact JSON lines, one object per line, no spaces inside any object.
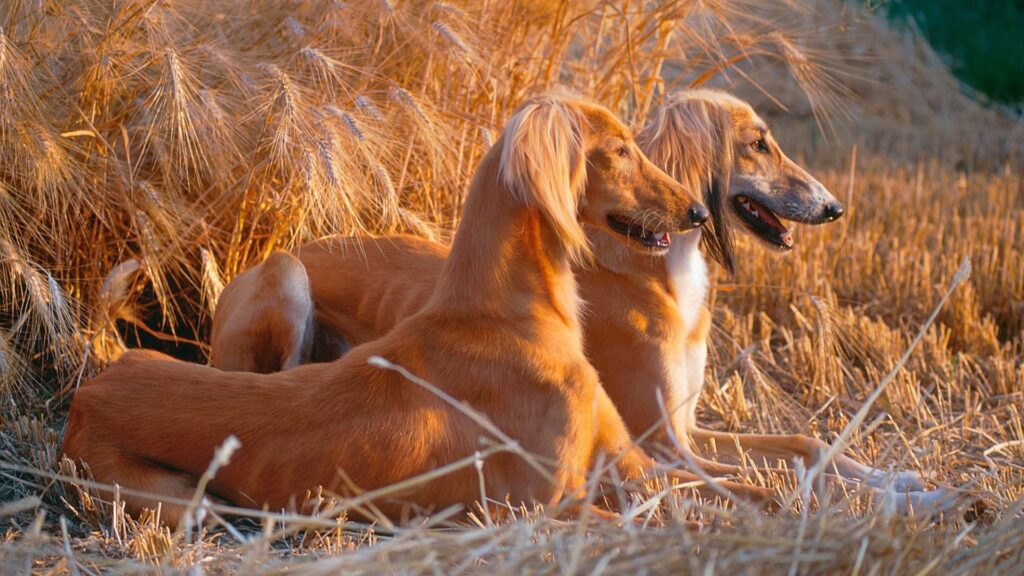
{"x":647,"y":323}
{"x":499,"y":331}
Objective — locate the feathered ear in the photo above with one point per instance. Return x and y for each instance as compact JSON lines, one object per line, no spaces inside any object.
{"x":690,"y":138}
{"x":544,"y":163}
{"x":718,"y":240}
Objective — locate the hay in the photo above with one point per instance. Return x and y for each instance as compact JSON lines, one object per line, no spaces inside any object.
{"x":153,"y":150}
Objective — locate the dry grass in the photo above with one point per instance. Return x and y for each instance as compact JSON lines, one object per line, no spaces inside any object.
{"x":151,"y":150}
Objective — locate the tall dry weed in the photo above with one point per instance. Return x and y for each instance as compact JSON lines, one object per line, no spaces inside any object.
{"x":152,"y":150}
{"x":197,"y":135}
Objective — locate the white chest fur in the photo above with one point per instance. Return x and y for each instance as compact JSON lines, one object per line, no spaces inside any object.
{"x":688,"y":275}
{"x":685,"y":361}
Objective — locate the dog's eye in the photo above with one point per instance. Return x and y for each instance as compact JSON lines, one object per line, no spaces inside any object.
{"x":623,"y":151}
{"x":760,"y":145}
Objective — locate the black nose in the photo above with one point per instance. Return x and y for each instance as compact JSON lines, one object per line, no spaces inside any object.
{"x":698,"y":214}
{"x":833,"y":211}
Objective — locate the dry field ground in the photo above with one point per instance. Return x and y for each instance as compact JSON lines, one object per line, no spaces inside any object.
{"x":150,"y":150}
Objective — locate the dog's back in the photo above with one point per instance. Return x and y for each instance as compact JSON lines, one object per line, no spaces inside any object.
{"x":365,"y":286}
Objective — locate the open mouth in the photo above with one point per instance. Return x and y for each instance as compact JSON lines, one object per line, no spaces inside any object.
{"x":646,"y":237}
{"x":763,"y":222}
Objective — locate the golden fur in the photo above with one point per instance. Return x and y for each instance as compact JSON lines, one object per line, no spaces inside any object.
{"x":498,"y":331}
{"x":647,"y":324}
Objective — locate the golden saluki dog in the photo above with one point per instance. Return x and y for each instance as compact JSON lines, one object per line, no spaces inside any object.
{"x":499,"y":332}
{"x":646,"y":325}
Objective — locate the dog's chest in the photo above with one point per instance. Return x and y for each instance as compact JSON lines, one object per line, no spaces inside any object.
{"x":685,"y":356}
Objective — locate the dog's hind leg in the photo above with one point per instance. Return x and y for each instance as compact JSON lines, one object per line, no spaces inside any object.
{"x":141,"y":484}
{"x":264,"y":321}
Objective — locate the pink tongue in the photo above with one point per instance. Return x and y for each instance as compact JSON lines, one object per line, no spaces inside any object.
{"x":666,"y":239}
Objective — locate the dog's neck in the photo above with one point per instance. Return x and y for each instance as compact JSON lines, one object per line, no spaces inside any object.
{"x":687,"y":276}
{"x":679,"y":277}
{"x":505,"y":259}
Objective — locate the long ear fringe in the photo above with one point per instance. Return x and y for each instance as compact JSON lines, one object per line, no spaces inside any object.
{"x":690,"y":137}
{"x":544,"y":163}
{"x":718,"y":240}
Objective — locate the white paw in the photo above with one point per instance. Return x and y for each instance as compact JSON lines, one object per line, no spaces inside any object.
{"x":922,"y":503}
{"x":904,"y":481}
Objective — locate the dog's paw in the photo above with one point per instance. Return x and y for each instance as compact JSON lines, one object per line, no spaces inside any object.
{"x":924,"y":503}
{"x":898,"y":481}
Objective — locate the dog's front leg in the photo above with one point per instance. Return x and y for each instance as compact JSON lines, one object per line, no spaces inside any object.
{"x":769,"y":448}
{"x":633,"y":463}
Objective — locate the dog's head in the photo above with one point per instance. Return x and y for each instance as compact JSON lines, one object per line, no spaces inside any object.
{"x":716,"y":141}
{"x":578,"y":163}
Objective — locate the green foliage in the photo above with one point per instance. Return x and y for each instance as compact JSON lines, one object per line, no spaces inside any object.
{"x":983,"y":40}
